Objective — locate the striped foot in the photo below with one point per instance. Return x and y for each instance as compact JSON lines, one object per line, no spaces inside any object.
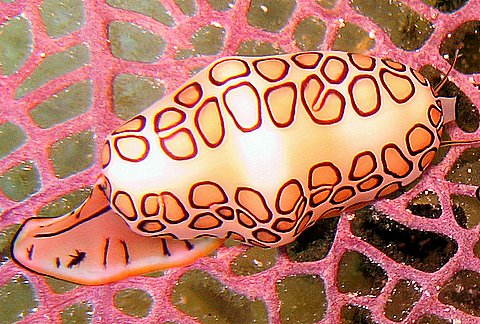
{"x":94,"y":246}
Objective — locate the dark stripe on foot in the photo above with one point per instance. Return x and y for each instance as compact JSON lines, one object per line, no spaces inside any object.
{"x":125,"y":252}
{"x":30,"y":252}
{"x":105,"y":252}
{"x":165,"y":248}
{"x":189,"y":245}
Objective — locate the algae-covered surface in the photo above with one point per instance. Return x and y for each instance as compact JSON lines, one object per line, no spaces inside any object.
{"x":71,"y":71}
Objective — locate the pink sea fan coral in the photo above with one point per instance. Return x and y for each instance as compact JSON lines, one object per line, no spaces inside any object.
{"x":71,"y":71}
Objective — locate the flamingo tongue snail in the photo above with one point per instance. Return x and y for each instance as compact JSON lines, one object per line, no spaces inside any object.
{"x":252,"y":148}
{"x":92,"y":245}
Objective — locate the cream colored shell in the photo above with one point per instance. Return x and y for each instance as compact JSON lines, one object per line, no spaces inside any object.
{"x":258,"y":149}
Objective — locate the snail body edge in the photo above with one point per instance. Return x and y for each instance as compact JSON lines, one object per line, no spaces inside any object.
{"x":255,"y":149}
